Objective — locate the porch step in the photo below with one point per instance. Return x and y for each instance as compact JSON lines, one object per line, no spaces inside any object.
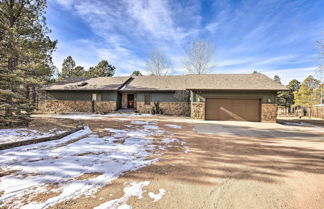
{"x":128,"y":110}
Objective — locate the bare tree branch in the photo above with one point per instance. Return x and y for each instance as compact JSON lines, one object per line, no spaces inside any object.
{"x":198,"y":57}
{"x":159,"y":63}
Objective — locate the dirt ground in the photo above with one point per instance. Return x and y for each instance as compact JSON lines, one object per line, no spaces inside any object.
{"x":223,"y":171}
{"x":44,"y":124}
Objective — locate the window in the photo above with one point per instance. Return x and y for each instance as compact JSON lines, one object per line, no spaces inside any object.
{"x":96,"y":97}
{"x":147,"y":99}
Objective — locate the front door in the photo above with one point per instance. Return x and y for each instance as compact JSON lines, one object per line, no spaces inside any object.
{"x":130,"y":101}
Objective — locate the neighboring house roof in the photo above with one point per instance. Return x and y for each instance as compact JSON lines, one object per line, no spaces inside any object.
{"x":254,"y":81}
{"x":101,"y":83}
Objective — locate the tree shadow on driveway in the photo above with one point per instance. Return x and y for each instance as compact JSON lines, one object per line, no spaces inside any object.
{"x":267,"y":156}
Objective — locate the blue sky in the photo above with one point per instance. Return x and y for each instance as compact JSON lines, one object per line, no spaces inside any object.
{"x":269,"y":36}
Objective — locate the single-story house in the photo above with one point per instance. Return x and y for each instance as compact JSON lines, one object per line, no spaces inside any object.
{"x":242,"y":97}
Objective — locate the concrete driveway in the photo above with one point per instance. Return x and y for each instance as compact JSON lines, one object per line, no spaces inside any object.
{"x":263,"y":130}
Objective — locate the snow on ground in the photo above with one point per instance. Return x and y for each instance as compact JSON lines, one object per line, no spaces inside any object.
{"x":158,"y":196}
{"x":120,"y":116}
{"x":139,"y":122}
{"x":22,"y":134}
{"x":309,"y":126}
{"x":133,"y":190}
{"x":173,"y":126}
{"x":169,"y":141}
{"x":61,"y":162}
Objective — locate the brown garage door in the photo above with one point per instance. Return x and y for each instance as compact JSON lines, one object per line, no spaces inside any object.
{"x":233,"y":109}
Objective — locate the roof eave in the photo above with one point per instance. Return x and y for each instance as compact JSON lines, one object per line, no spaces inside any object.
{"x":196,"y":89}
{"x":80,"y":89}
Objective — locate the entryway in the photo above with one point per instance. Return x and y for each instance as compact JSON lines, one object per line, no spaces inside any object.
{"x":130,"y":101}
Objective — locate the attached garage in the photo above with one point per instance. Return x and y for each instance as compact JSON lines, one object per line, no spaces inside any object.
{"x":233,"y":109}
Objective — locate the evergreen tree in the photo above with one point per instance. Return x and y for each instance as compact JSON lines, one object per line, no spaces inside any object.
{"x":277,"y":79}
{"x":25,"y":57}
{"x":103,"y":69}
{"x":78,"y":71}
{"x":67,"y":68}
{"x":137,"y":73}
{"x":287,"y":98}
{"x":306,"y":96}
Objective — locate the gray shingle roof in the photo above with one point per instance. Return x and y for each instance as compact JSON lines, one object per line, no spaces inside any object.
{"x":101,"y":83}
{"x":255,"y":81}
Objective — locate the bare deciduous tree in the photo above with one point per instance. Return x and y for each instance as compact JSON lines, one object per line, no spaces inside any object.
{"x":198,"y":57}
{"x":159,"y":63}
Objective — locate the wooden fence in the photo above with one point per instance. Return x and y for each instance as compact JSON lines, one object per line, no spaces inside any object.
{"x":312,"y":112}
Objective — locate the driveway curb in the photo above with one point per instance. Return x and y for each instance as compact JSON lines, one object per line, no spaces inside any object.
{"x":38,"y":140}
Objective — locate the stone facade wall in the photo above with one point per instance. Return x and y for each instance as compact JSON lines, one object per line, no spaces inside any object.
{"x":170,"y":108}
{"x":105,"y":106}
{"x":66,"y":106}
{"x":268,"y":112}
{"x":198,"y":110}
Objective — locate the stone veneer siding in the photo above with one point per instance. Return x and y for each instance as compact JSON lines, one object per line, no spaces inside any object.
{"x":105,"y":106}
{"x":170,"y":108}
{"x":76,"y":106}
{"x":198,"y":110}
{"x":268,"y":112}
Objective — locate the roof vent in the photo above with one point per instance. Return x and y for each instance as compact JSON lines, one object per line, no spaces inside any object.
{"x":82,"y":84}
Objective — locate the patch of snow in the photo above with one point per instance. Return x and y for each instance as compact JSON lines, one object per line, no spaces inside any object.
{"x":22,"y":134}
{"x":78,"y":116}
{"x":173,"y":126}
{"x":186,"y":149}
{"x":151,"y":127}
{"x":133,"y":190}
{"x":139,"y":122}
{"x":55,"y":163}
{"x":119,"y":116}
{"x":168,"y":140}
{"x":61,"y":161}
{"x":158,"y":196}
{"x":309,"y":126}
{"x":296,"y":124}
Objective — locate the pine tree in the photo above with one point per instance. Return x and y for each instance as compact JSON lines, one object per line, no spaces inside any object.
{"x":78,"y":71}
{"x":103,"y":69}
{"x":25,"y":57}
{"x":67,"y":68}
{"x":137,"y":73}
{"x":306,"y":95}
{"x":277,"y":79}
{"x":286,"y":98}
